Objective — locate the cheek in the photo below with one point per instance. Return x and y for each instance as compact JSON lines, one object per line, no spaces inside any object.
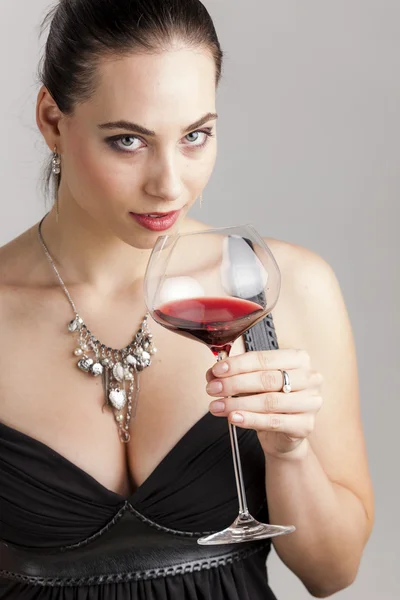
{"x":211,"y":158}
{"x":197,"y":175}
{"x":95,"y":174}
{"x":207,"y":171}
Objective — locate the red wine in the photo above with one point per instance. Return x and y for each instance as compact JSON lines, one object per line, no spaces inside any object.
{"x":217,"y":322}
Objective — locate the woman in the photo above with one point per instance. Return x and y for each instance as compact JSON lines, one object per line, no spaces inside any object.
{"x":127,"y":108}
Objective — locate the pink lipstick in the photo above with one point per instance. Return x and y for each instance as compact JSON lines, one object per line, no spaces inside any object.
{"x":157,"y":221}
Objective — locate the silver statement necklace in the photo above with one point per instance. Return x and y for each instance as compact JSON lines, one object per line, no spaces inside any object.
{"x":119,"y":369}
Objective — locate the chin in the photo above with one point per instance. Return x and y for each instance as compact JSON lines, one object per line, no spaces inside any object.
{"x":145,"y":242}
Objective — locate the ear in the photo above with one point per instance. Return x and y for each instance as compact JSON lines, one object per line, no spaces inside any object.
{"x":48,"y":117}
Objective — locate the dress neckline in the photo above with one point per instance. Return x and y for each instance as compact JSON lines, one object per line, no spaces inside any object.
{"x":139,"y":493}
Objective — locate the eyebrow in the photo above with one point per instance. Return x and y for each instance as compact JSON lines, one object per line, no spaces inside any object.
{"x":129,"y":126}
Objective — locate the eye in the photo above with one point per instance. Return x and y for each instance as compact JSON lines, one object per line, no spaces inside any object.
{"x":198,"y":139}
{"x":125,"y":143}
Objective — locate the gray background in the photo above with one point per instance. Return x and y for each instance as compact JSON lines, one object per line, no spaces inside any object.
{"x":309,"y":152}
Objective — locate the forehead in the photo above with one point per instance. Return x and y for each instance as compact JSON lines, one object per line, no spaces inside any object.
{"x":171,"y":87}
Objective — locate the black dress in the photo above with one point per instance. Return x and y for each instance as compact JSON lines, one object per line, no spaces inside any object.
{"x":64,"y":536}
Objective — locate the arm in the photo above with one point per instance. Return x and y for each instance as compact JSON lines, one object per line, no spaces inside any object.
{"x":327,"y":491}
{"x":318,"y":479}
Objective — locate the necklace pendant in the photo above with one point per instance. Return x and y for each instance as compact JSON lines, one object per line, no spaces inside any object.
{"x":75,"y":325}
{"x":131,"y":360}
{"x":119,"y":372}
{"x":118,"y":398}
{"x":143,"y":360}
{"x":96,"y":369}
{"x":146,"y":357}
{"x":125,"y":437}
{"x":85,"y":364}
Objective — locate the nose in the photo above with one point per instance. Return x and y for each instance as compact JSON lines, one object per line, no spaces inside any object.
{"x":164,"y":179}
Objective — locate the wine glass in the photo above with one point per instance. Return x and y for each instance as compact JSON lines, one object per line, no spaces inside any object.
{"x":212,"y":286}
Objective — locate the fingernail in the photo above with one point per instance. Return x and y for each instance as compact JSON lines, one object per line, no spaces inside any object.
{"x":221,"y":368}
{"x":237,"y":418}
{"x":215,"y":387}
{"x":217,"y":406}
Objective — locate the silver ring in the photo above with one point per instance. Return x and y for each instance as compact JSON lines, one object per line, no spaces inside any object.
{"x":287,"y":388}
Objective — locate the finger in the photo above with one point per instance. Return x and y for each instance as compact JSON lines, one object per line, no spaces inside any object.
{"x":271,"y":403}
{"x":268,"y":360}
{"x":210,"y":375}
{"x":296,"y":426}
{"x":262,"y":381}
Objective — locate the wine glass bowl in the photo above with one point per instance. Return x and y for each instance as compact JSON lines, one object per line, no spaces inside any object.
{"x":212,"y":286}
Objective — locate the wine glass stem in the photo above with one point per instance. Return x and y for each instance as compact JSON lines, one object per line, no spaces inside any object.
{"x":237,"y":465}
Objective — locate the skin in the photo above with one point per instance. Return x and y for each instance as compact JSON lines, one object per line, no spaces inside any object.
{"x":317,"y":476}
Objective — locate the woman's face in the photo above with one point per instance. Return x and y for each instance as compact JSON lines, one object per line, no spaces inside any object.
{"x":145,"y":143}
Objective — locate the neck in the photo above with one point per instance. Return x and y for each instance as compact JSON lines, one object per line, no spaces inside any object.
{"x":86,"y":253}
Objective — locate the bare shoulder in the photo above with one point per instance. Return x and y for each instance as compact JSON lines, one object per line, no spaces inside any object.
{"x":20,"y":271}
{"x":311,"y":308}
{"x":17,"y":258}
{"x":310,"y":286}
{"x":302,"y":269}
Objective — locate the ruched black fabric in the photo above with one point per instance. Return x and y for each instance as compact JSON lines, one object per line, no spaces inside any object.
{"x":49,"y":505}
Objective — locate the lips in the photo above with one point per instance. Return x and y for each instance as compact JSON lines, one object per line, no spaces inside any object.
{"x":157,"y":221}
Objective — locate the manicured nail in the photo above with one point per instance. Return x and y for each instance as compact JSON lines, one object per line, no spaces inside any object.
{"x":217,"y":407}
{"x":215,"y":387}
{"x":220,"y":368}
{"x":237,"y":418}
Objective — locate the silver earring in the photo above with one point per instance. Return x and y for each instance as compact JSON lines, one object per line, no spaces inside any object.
{"x":56,"y":162}
{"x":201,"y":200}
{"x":56,"y":170}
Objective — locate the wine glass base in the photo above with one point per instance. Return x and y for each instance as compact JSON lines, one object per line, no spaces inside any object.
{"x":245,"y":529}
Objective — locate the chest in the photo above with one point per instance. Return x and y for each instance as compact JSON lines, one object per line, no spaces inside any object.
{"x":45,"y":395}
